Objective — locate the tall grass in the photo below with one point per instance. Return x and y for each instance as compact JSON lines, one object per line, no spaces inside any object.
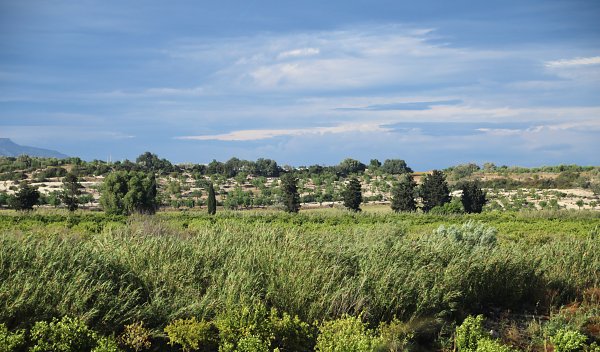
{"x":157,"y":269}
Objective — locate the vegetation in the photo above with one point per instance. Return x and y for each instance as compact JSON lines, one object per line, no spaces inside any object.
{"x":25,"y":198}
{"x":473,"y":197}
{"x":126,"y":193}
{"x":212,"y":200}
{"x":353,"y":195}
{"x":289,"y":189}
{"x":323,"y":274}
{"x":403,"y":194}
{"x":71,"y":191}
{"x":434,"y":190}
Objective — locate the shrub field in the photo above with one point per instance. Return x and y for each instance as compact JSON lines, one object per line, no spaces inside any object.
{"x":326,"y":281}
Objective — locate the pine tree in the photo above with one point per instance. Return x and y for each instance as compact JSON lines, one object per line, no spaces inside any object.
{"x":473,"y":197}
{"x":403,"y":194}
{"x":352,"y":195}
{"x":212,"y":200}
{"x":71,"y":191}
{"x":289,"y":190}
{"x":25,"y":198}
{"x":434,"y":190}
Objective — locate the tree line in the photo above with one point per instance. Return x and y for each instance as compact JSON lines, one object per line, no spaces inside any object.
{"x":135,"y":191}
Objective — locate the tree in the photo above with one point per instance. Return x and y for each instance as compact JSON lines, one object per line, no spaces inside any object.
{"x":124,"y":193}
{"x":352,"y":195}
{"x":403,"y":194}
{"x":26,"y":197}
{"x":374,"y":164}
{"x":473,"y":197}
{"x":71,"y":191}
{"x":350,"y":166}
{"x":395,"y":167}
{"x":289,"y":193}
{"x":434,"y":190}
{"x":212,"y":200}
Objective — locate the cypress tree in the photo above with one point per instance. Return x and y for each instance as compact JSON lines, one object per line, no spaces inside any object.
{"x":71,"y":191}
{"x":473,"y":197}
{"x":352,"y":195}
{"x":25,"y":198}
{"x":289,"y":190}
{"x":434,"y":190}
{"x":212,"y":200}
{"x":403,"y":194}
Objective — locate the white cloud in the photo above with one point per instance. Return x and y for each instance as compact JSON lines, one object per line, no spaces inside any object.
{"x":579,"y":61}
{"x":298,"y":53}
{"x":252,"y":135}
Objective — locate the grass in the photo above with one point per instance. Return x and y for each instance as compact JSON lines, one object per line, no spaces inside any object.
{"x":114,"y":271}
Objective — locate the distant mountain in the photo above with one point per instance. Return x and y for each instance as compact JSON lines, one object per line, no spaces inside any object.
{"x":10,"y":148}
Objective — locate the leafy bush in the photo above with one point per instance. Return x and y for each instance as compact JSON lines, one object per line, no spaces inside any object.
{"x":64,"y":335}
{"x":396,"y":335}
{"x":568,"y":341}
{"x":469,"y":333}
{"x":291,"y":333}
{"x":238,"y":323}
{"x":107,"y":344}
{"x":191,"y":334}
{"x":11,"y":341}
{"x":489,"y":345}
{"x":136,"y":337}
{"x":252,"y":343}
{"x":347,"y":334}
{"x":470,"y":233}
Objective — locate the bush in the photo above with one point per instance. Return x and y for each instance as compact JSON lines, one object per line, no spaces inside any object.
{"x":64,"y":335}
{"x":347,"y":334}
{"x":470,"y":233}
{"x":568,"y":341}
{"x":469,"y":333}
{"x":107,"y":344}
{"x":136,"y":337}
{"x":396,"y":335}
{"x":191,"y":334}
{"x":489,"y":345}
{"x":11,"y":341}
{"x":252,"y":343}
{"x":238,"y":323}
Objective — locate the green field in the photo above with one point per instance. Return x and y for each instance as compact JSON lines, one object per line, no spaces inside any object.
{"x":320,"y":266}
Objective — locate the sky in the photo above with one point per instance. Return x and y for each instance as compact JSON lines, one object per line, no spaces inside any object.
{"x":436,"y":83}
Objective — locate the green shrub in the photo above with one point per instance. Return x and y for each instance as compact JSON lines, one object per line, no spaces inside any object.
{"x":64,"y":335}
{"x":347,"y":334}
{"x":396,"y":335}
{"x":106,"y":344}
{"x":136,"y":337}
{"x":469,"y":333}
{"x":237,"y":323}
{"x":489,"y":345}
{"x":568,"y":340}
{"x":252,"y":343}
{"x":191,"y":334}
{"x":470,"y":233}
{"x":11,"y":341}
{"x":291,"y":333}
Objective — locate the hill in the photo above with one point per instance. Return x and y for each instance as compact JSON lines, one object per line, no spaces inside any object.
{"x":10,"y":148}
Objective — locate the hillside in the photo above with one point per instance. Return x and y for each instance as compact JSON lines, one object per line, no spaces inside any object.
{"x":10,"y":148}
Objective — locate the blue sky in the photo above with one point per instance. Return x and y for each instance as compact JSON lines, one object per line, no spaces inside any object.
{"x":436,"y":83}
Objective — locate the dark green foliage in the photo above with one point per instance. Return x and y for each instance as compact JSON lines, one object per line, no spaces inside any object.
{"x":212,"y":200}
{"x":266,"y":168}
{"x":11,"y":341}
{"x":403,"y":194}
{"x":350,"y":166}
{"x":26,"y":197}
{"x":395,"y":167}
{"x":125,"y":193}
{"x":473,"y":197}
{"x":434,"y":190}
{"x":64,"y":335}
{"x":374,"y":164}
{"x":71,"y":191}
{"x":289,"y":193}
{"x":352,"y":195}
{"x":150,"y":162}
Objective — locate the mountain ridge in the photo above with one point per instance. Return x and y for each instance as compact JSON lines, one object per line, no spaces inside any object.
{"x":12,"y":149}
